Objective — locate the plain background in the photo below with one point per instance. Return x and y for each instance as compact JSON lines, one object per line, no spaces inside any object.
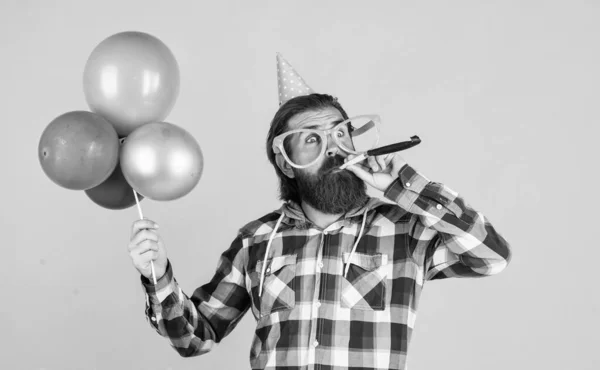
{"x":504,"y":95}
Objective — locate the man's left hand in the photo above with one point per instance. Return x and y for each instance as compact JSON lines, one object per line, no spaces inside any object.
{"x":379,"y":171}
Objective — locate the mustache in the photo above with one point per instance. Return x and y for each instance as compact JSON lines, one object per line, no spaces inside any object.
{"x":331,"y":163}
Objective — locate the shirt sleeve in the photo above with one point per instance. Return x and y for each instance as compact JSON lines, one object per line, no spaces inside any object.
{"x":196,"y":325}
{"x":448,"y":237}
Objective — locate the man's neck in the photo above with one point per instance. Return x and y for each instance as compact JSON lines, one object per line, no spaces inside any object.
{"x":322,"y":220}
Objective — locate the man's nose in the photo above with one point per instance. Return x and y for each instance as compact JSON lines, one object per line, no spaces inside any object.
{"x":332,"y":148}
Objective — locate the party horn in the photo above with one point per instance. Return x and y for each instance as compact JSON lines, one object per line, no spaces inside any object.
{"x":392,"y":148}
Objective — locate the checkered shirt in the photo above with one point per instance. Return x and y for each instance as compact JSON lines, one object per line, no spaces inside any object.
{"x":309,"y":315}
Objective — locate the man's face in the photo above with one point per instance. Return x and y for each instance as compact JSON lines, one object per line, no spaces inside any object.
{"x":322,"y":185}
{"x":317,"y":119}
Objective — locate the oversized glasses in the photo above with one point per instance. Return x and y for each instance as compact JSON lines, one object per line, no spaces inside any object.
{"x":355,"y":135}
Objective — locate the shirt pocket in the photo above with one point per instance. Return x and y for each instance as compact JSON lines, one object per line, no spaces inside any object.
{"x":364,"y":287}
{"x":279,"y":291}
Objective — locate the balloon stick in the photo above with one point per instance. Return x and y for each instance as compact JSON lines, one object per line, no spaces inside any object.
{"x":137,"y":202}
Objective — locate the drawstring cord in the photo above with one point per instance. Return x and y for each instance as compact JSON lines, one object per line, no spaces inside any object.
{"x":262,"y":274}
{"x":362,"y":229}
{"x":272,"y":236}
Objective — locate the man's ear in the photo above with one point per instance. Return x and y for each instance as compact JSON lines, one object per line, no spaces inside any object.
{"x":284,"y":166}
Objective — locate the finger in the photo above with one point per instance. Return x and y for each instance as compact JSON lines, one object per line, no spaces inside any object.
{"x":144,"y":247}
{"x":397,"y":162}
{"x":146,"y":234}
{"x":381,"y":161}
{"x":141,"y":225}
{"x":144,"y":223}
{"x":389,"y":158}
{"x":152,"y":256}
{"x":144,"y":259}
{"x":373,"y":164}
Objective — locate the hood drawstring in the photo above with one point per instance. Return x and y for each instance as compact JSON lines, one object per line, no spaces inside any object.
{"x":262,"y":273}
{"x":362,"y":229}
{"x":272,"y":236}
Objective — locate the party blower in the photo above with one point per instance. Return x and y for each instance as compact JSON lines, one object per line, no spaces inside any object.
{"x":392,"y":148}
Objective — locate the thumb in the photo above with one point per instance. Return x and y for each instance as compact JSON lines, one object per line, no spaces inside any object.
{"x":377,"y":180}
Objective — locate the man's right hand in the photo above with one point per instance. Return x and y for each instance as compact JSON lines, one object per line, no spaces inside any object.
{"x":146,"y":245}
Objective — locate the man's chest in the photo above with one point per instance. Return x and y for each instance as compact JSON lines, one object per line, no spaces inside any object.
{"x":327,"y":269}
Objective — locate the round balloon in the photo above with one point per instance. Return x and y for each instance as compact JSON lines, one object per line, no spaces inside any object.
{"x":131,"y":78}
{"x":79,"y":150}
{"x":114,"y":193}
{"x":161,"y":161}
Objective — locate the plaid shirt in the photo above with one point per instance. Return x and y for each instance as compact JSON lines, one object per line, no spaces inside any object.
{"x":309,"y":315}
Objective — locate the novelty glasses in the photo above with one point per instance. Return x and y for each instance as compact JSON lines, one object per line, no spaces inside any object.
{"x":357,"y":135}
{"x":354,"y":135}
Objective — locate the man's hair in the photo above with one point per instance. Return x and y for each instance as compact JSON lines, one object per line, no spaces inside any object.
{"x":288,"y":188}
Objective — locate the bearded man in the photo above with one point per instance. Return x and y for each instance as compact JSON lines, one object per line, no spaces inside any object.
{"x":333,"y":277}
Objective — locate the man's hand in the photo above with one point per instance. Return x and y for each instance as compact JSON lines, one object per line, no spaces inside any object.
{"x":380,"y":171}
{"x":145,"y":246}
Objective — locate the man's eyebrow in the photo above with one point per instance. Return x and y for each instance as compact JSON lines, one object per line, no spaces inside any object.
{"x":332,"y":123}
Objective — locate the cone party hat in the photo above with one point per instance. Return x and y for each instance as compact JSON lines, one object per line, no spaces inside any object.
{"x":289,"y":81}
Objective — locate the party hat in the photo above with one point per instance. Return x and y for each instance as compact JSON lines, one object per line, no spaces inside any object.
{"x":290,"y":83}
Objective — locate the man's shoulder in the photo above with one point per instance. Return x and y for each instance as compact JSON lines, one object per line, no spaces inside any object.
{"x":261,"y":225}
{"x":390,"y":211}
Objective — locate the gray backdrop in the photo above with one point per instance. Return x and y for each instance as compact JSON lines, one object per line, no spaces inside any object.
{"x":504,"y":95}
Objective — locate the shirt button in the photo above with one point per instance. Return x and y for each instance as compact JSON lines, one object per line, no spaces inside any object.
{"x":315,"y":343}
{"x":321,"y":264}
{"x":439,"y":206}
{"x":318,"y":304}
{"x":153,"y":318}
{"x":268,"y":270}
{"x":408,"y":184}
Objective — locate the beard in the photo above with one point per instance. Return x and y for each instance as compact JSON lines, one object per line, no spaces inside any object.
{"x":331,"y":192}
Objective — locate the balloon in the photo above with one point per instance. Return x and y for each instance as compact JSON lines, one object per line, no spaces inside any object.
{"x":161,"y":161}
{"x":131,"y":78}
{"x":114,"y":193}
{"x":79,"y":150}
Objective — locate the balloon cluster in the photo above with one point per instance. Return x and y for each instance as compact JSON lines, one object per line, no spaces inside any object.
{"x":122,"y":146}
